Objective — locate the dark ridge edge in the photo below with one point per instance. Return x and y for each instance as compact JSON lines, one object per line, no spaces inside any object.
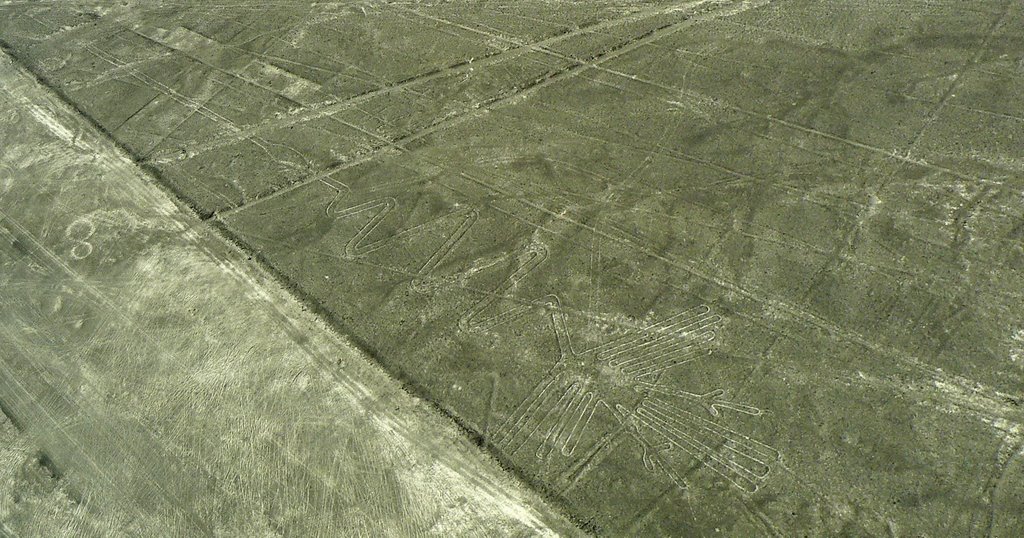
{"x":408,"y":385}
{"x":150,"y":170}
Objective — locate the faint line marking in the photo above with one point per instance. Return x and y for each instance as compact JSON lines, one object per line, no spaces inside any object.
{"x":623,"y":376}
{"x":949,"y":93}
{"x":361,"y":245}
{"x":459,"y":67}
{"x":78,"y":232}
{"x":991,"y":397}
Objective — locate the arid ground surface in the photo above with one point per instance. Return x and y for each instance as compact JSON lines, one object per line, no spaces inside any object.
{"x":713,"y":267}
{"x":155,"y":382}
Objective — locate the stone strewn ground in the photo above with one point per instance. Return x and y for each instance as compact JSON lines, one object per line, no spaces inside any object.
{"x":746,"y":267}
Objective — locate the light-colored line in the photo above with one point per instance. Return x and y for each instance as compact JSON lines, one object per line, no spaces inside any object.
{"x":666,"y":332}
{"x":576,"y":68}
{"x":460,"y":67}
{"x":992,"y":398}
{"x":655,"y":366}
{"x":765,"y":454}
{"x":707,"y":455}
{"x":580,"y":427}
{"x":509,"y":429}
{"x":556,"y":410}
{"x":677,"y":336}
